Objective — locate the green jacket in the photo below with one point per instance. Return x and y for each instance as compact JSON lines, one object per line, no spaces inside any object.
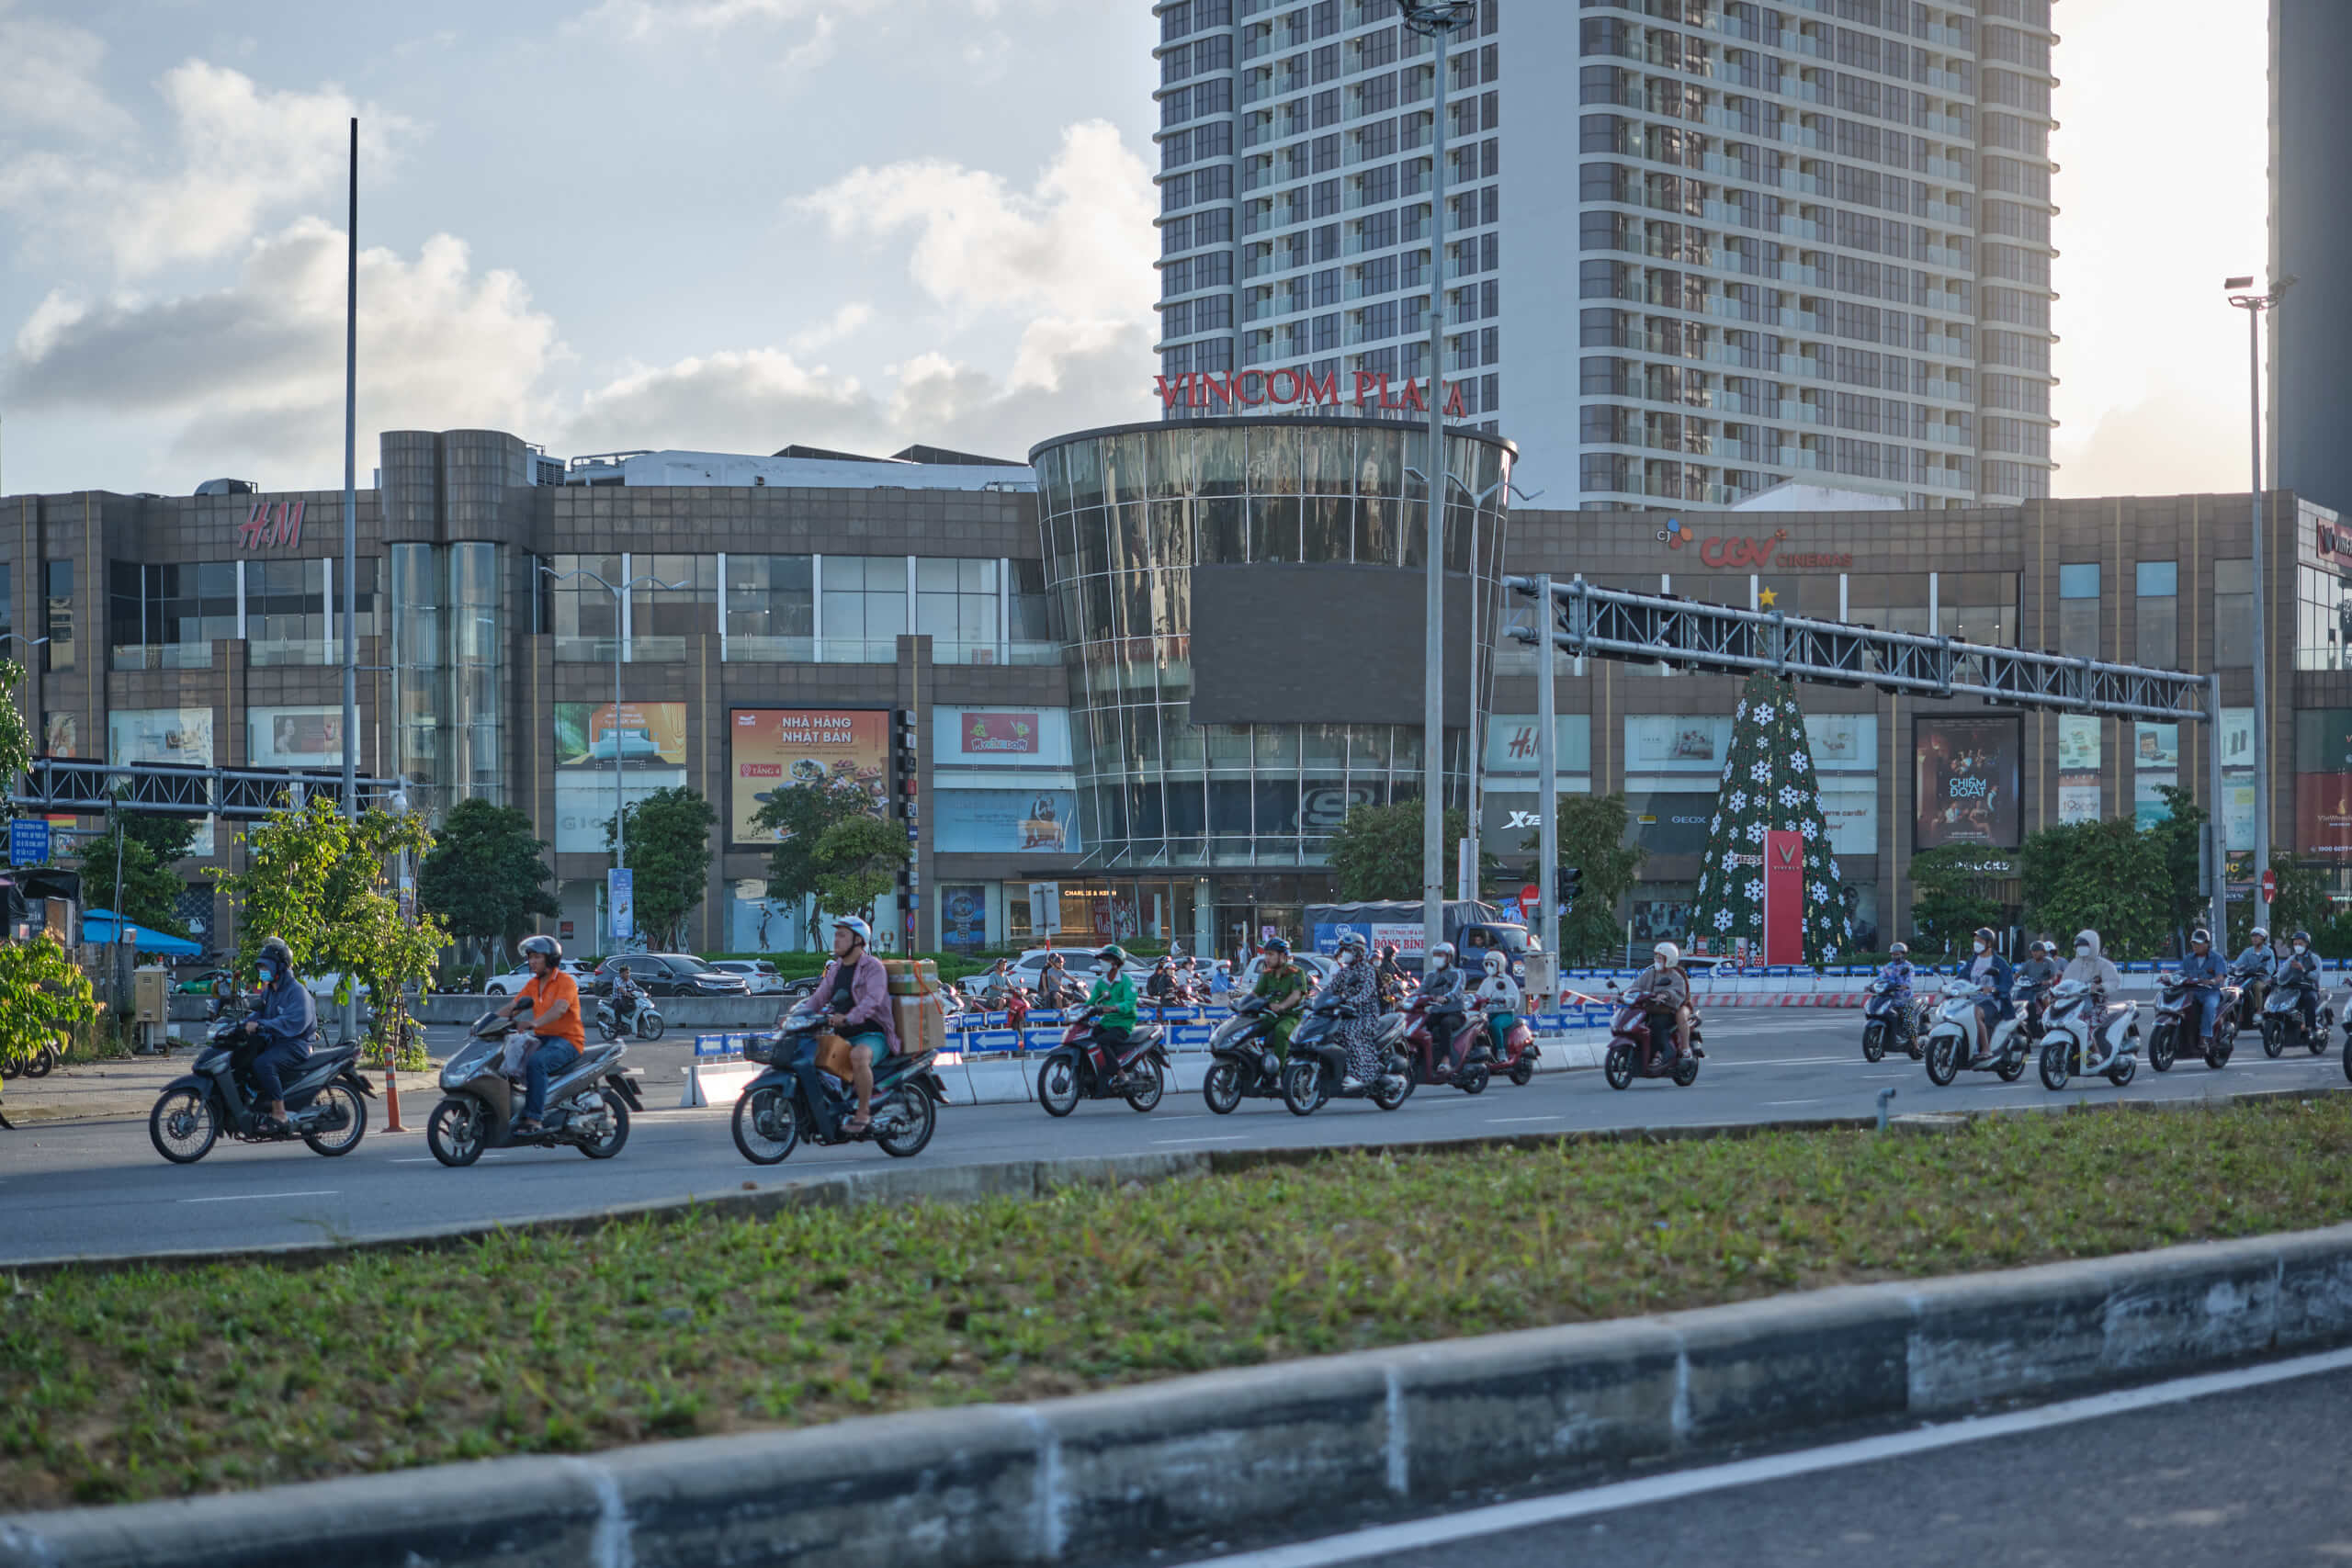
{"x":1117,"y":1000}
{"x":1280,"y":984}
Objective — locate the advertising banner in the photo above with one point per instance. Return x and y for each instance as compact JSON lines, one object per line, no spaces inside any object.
{"x":1511,"y":742}
{"x":182,"y":737}
{"x":647,"y":741}
{"x":999,"y":737}
{"x":1784,"y":897}
{"x":2155,"y":766}
{"x":621,"y":898}
{"x":294,"y":737}
{"x":1004,"y":821}
{"x":1671,"y":743}
{"x":1672,"y":823}
{"x":1377,"y":934}
{"x":962,"y":916}
{"x":1842,"y":742}
{"x":2235,"y":739}
{"x":2324,"y":783}
{"x":2079,"y":768}
{"x":776,"y":749}
{"x":1966,"y":779}
{"x":1850,"y":805}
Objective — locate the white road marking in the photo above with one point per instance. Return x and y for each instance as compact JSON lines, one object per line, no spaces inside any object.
{"x":1423,"y":1534}
{"x":1772,"y":1103}
{"x":1782,"y":1061}
{"x":1226,"y":1138}
{"x":1507,"y":1120}
{"x":249,"y":1197}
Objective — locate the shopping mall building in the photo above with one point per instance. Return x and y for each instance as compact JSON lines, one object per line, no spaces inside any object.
{"x":1149,"y":672}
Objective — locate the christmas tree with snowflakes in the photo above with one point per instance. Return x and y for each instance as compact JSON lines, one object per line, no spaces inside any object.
{"x":1768,"y":786}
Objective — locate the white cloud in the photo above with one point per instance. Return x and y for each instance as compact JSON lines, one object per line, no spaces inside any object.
{"x":48,"y":78}
{"x":238,"y":155}
{"x":739,"y":400}
{"x":256,"y":370}
{"x":2175,"y":439}
{"x":844,"y":322}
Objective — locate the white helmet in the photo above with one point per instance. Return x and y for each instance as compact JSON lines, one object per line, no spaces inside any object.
{"x":1667,"y":953}
{"x":1495,"y":963}
{"x":1441,"y":955}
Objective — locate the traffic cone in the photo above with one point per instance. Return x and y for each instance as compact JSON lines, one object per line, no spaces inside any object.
{"x":392,"y":1100}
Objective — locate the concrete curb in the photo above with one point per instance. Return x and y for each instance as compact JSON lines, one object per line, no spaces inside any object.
{"x":1320,"y":1444}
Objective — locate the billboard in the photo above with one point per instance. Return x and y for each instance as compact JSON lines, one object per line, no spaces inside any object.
{"x":1842,"y":742}
{"x":2156,"y":755}
{"x":2079,"y":748}
{"x":1671,"y":822}
{"x":646,"y":741}
{"x":294,"y":737}
{"x":2324,"y":783}
{"x":182,"y":737}
{"x":2236,"y":742}
{"x":999,"y":737}
{"x":1511,"y":739}
{"x":1850,"y":806}
{"x":1966,"y":776}
{"x":1004,"y":821}
{"x":776,"y":749}
{"x":1676,"y":743}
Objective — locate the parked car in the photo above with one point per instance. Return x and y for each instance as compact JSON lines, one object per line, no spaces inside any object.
{"x":200,"y":982}
{"x":758,"y":972}
{"x":515,"y":979}
{"x":671,"y":975}
{"x":1318,"y":969}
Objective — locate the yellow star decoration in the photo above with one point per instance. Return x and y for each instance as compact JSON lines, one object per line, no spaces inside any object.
{"x":1767,"y":597}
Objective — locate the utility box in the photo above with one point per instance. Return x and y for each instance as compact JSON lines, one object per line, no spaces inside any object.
{"x":152,"y":995}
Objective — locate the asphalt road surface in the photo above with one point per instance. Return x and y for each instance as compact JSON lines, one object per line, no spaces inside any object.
{"x":99,"y":1187}
{"x":2241,"y":1476}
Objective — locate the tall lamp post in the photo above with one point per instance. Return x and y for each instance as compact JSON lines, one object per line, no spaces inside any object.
{"x":620,"y":606}
{"x":2242,"y":294}
{"x":1435,"y":20}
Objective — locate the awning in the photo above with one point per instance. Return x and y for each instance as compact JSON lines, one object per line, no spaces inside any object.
{"x":103,"y":927}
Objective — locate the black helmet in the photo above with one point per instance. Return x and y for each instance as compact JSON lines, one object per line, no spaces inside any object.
{"x":546,"y":946}
{"x":1985,"y":935}
{"x":275,"y":949}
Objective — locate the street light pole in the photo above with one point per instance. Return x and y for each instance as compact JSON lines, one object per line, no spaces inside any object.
{"x":2255,"y":305}
{"x":1435,"y":20}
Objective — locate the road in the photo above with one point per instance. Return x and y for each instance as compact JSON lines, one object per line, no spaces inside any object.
{"x":2145,"y":1478}
{"x":99,"y":1187}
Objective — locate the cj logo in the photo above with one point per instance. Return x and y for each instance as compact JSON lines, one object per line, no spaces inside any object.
{"x":1723,"y":552}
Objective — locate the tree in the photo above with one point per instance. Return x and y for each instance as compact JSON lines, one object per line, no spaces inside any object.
{"x":320,"y":884}
{"x":2109,"y":876}
{"x":1592,"y":838}
{"x":15,"y":736}
{"x":40,"y":989}
{"x":1949,"y":897}
{"x":2302,"y":904}
{"x":485,"y":877}
{"x":150,"y":893}
{"x":1767,"y":785}
{"x":669,"y":859}
{"x":1376,"y":851}
{"x":2189,"y":902}
{"x":858,"y":861}
{"x":801,"y":815}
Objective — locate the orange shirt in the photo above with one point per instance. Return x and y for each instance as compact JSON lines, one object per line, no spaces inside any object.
{"x":549,"y":990}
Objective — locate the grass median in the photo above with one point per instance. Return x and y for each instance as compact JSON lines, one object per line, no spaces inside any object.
{"x":148,"y":1384}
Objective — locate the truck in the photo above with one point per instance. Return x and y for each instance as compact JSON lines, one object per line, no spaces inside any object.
{"x":1472,"y":927}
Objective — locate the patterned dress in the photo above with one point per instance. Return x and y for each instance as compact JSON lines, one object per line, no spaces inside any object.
{"x":1355,"y":986}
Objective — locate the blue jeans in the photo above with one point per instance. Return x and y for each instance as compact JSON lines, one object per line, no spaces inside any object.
{"x":2205,"y":1005}
{"x":268,"y":1063}
{"x":547,"y":1057}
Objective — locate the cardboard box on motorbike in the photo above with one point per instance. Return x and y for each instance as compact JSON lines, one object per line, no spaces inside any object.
{"x":917,"y":1011}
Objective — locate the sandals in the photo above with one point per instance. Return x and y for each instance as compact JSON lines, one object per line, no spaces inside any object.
{"x":856,"y":1124}
{"x":530,"y":1129}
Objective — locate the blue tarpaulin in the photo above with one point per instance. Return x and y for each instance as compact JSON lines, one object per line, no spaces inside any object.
{"x":102,"y":926}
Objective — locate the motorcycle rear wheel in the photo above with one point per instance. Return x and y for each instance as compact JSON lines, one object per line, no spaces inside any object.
{"x":1874,"y":1041}
{"x":766,"y":1125}
{"x":458,"y":1131}
{"x":1303,"y":1087}
{"x":1391,"y":1091}
{"x":606,"y":1031}
{"x":1472,"y":1079}
{"x":43,"y":1058}
{"x":2011,"y":1068}
{"x":1617,"y":1067}
{"x":1146,"y":1096}
{"x":1943,"y":1060}
{"x":346,"y":1138}
{"x":610,"y":1145}
{"x":183,"y":1126}
{"x":2121,"y":1073}
{"x":1221,"y":1086}
{"x":1523,"y":1072}
{"x":913,"y":1134}
{"x":1686,"y":1071}
{"x":2225,"y":1040}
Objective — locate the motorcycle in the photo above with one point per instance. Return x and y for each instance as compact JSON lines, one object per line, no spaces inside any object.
{"x":2171,"y":1034}
{"x":2253,"y":986}
{"x":644,"y":1020}
{"x":2081,"y":1033}
{"x":1641,"y":1044}
{"x":1952,"y":1039}
{"x":326,"y":1101}
{"x":1317,"y":1069}
{"x":1516,"y":1054}
{"x":1070,"y":1072}
{"x":1467,"y":1063}
{"x":2282,"y":1021}
{"x":588,"y":1103}
{"x":1890,"y":1018}
{"x":1242,"y":1063}
{"x":795,"y":1100}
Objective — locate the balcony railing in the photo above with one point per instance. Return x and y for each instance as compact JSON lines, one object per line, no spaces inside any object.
{"x":164,"y":656}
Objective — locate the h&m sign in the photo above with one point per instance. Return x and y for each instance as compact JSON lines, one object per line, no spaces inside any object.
{"x":276,"y":523}
{"x":1298,"y":388}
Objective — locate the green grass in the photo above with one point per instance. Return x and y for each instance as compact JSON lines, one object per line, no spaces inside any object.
{"x":153,"y":1384}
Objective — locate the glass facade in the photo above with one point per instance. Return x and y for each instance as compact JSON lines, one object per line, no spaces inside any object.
{"x":1128,"y":514}
{"x":448,"y":633}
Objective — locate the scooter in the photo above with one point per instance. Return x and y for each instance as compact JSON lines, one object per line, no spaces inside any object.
{"x":326,"y":1104}
{"x":1242,"y":1063}
{"x":1952,"y":1039}
{"x":2172,"y":1033}
{"x":795,"y":1100}
{"x":1467,"y":1063}
{"x":1318,"y":1070}
{"x":2253,"y":986}
{"x":1070,"y":1073}
{"x":1641,"y":1043}
{"x":588,"y":1103}
{"x":1890,"y":1018}
{"x":2282,"y":1021}
{"x":1516,"y":1056}
{"x":645,"y":1021}
{"x":2081,"y":1032}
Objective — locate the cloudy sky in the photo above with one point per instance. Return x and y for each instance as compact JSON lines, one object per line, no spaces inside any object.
{"x":734,"y":223}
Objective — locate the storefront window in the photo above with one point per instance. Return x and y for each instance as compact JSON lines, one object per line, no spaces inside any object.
{"x":2323,"y":620}
{"x":1979,"y":605}
{"x":583,"y":616}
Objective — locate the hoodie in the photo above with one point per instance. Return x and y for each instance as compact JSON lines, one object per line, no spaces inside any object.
{"x":2093,"y":966}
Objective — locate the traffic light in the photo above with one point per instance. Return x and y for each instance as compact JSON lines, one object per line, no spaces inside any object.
{"x":1571,"y":883}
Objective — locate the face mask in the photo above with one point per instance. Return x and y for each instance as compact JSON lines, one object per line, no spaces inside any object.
{"x":2083,"y":950}
{"x":269,"y":972}
{"x":2299,"y":947}
{"x":1982,"y":948}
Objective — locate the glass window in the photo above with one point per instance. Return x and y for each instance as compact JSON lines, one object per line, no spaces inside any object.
{"x":1892,"y":601}
{"x":1979,"y":605}
{"x":772,"y":608}
{"x":663,"y":618}
{"x":2156,"y":614}
{"x":955,"y":606}
{"x":1028,"y":604}
{"x":2078,"y":610}
{"x":2233,"y":615}
{"x":7,"y":607}
{"x":2323,"y":620}
{"x":168,"y":616}
{"x":583,"y":616}
{"x":866,"y":606}
{"x":58,"y":587}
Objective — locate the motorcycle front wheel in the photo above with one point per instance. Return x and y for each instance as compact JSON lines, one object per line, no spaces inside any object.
{"x":1873,"y":1041}
{"x":1303,"y":1087}
{"x":648,"y":1026}
{"x":346,"y":1138}
{"x":182,"y":1126}
{"x":2055,"y":1069}
{"x":1617,"y":1067}
{"x":2274,"y":1038}
{"x":458,"y":1131}
{"x":767,"y":1128}
{"x":610,"y":1144}
{"x":1943,"y":1060}
{"x":1057,"y":1086}
{"x":2161,"y":1049}
{"x":918,"y":1119}
{"x":1221,"y":1086}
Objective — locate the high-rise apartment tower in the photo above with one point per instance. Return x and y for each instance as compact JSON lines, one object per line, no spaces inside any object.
{"x":2311,"y":241}
{"x":1694,"y":247}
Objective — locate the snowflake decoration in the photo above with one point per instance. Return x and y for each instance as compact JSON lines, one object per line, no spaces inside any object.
{"x":1756,"y":832}
{"x":1741,"y":712}
{"x":1738,"y":801}
{"x":1723,"y":920}
{"x":1820,"y":894}
{"x":1761,"y":772}
{"x":1717,"y":825}
{"x":1799,"y":762}
{"x":1810,"y":831}
{"x":1754,"y":889}
{"x":1789,"y":795}
{"x":1731,"y":859}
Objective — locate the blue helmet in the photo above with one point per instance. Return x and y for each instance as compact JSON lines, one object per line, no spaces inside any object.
{"x":856,"y":927}
{"x":1277,"y":945}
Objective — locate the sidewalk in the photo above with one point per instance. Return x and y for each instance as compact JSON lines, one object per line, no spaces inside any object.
{"x":126,"y":1090}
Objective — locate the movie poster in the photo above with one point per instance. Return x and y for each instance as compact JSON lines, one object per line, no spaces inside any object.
{"x":1967,"y":778}
{"x":774,"y":748}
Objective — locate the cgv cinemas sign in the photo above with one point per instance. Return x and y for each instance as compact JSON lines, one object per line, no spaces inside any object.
{"x":1298,"y":388}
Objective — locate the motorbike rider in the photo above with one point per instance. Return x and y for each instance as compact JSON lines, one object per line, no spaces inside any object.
{"x":1990,"y":970}
{"x":1287,"y":985}
{"x":1445,"y":996}
{"x":1354,"y":985}
{"x":1668,"y":988}
{"x":1393,"y":981}
{"x":555,"y":1036}
{"x":286,"y":1024}
{"x":2204,"y":972}
{"x":1498,"y":998}
{"x":1054,"y":983}
{"x":2259,"y":964}
{"x":1897,"y":975}
{"x":1115,"y":995}
{"x":2299,"y":970}
{"x":1221,"y":978}
{"x":1162,"y":985}
{"x":855,"y":991}
{"x":2036,"y":975}
{"x":626,"y":993}
{"x":2096,"y":969}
